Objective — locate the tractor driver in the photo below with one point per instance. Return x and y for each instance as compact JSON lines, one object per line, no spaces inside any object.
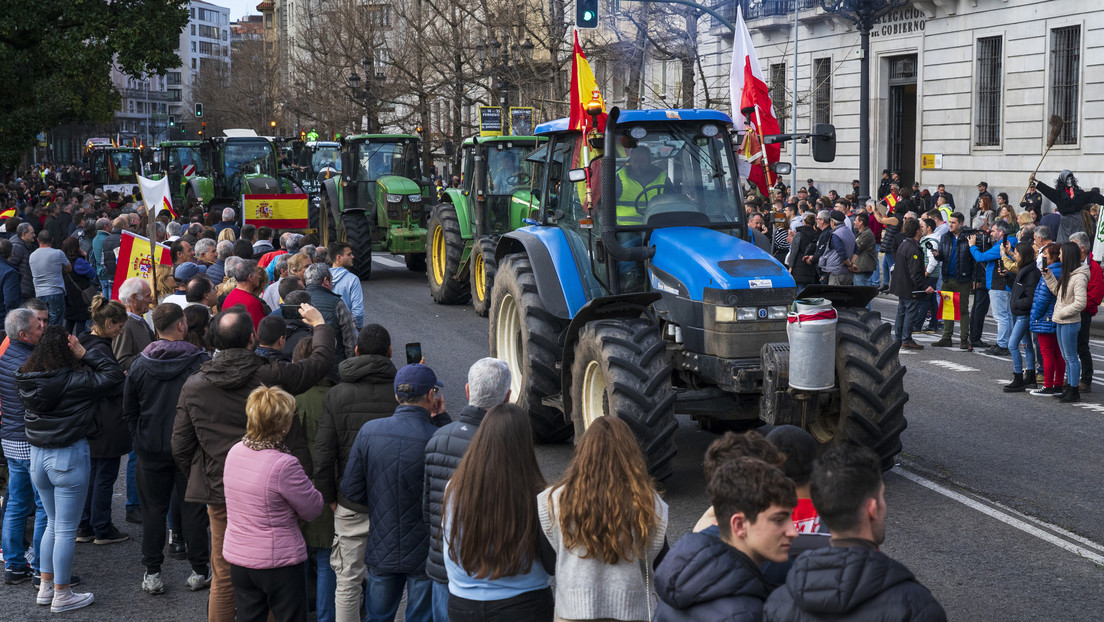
{"x":637,"y":176}
{"x":503,"y":172}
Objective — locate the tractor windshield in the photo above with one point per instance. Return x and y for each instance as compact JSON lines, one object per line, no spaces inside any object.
{"x":326,"y":157}
{"x":675,"y":174}
{"x":253,"y":157}
{"x":507,"y":169}
{"x":376,"y":159}
{"x":186,"y":161}
{"x":117,"y":167}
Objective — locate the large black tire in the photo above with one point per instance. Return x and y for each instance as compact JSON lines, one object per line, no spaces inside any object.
{"x":416,"y":262}
{"x":525,"y":335}
{"x":621,"y":369}
{"x":444,"y":249}
{"x":327,"y":225}
{"x":358,"y":234}
{"x":482,"y":272}
{"x":870,"y":410}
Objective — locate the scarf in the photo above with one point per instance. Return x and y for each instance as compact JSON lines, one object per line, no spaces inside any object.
{"x":256,"y":445}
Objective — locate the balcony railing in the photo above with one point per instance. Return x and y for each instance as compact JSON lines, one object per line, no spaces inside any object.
{"x":757,"y":9}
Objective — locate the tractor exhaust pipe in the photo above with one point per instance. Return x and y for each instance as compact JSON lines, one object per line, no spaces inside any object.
{"x":609,"y":200}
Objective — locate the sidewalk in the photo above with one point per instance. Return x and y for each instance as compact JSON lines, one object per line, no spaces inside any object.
{"x":1096,"y":331}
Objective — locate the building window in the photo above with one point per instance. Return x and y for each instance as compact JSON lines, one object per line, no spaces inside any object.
{"x":379,"y":15}
{"x":174,"y":78}
{"x":193,"y":30}
{"x":778,"y":94}
{"x":822,"y":90}
{"x":193,"y":46}
{"x":209,"y":32}
{"x":193,"y":63}
{"x":1065,"y":78}
{"x":614,"y":6}
{"x":987,"y":113}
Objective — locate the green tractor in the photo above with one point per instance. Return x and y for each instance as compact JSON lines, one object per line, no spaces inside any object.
{"x":314,"y":163}
{"x":180,"y":161}
{"x":239,"y":163}
{"x":495,"y":197}
{"x":115,"y":169}
{"x":378,"y":201}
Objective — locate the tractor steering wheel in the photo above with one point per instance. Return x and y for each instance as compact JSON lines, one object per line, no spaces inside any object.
{"x":644,"y":195}
{"x":518,"y":180}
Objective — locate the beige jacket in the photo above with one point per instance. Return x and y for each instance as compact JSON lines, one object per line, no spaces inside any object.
{"x":1068,"y":308}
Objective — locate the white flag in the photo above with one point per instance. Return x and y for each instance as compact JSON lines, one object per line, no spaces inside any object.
{"x":155,"y":194}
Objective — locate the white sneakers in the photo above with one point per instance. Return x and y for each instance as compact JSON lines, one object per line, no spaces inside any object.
{"x":66,"y":600}
{"x":151,"y":583}
{"x":198,"y":582}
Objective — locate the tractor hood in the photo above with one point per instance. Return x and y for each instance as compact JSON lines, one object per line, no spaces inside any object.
{"x":395,"y":184}
{"x":691,"y":259}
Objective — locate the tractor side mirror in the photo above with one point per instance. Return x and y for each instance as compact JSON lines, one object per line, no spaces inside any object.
{"x":781,"y":168}
{"x":824,"y":142}
{"x":576,"y":175}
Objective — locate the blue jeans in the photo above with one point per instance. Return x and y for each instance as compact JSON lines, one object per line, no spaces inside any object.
{"x":907,"y":310}
{"x":61,"y":476}
{"x":865,"y":278}
{"x":56,"y":305}
{"x":1020,"y":334}
{"x":97,"y":507}
{"x":22,"y":499}
{"x":133,"y":502}
{"x":887,"y":268}
{"x":106,"y":287}
{"x":1002,"y":313}
{"x":440,"y":602}
{"x":385,"y":592}
{"x":326,"y":585}
{"x":1067,"y":343}
{"x":874,"y":280}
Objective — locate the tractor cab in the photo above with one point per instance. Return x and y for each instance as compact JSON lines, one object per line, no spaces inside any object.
{"x":115,"y":169}
{"x":239,"y":163}
{"x":180,"y":161}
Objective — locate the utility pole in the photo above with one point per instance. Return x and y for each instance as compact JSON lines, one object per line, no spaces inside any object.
{"x":793,"y":111}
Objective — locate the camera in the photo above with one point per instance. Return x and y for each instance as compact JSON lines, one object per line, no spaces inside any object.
{"x":983,"y":242}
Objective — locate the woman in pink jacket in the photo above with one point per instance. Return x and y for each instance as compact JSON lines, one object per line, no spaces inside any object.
{"x":267,"y":494}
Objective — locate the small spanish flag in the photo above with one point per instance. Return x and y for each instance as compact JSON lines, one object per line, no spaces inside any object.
{"x":891,"y":201}
{"x":7,"y":213}
{"x":948,"y":306}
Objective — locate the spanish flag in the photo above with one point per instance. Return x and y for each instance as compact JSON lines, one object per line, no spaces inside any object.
{"x":948,"y":306}
{"x":584,"y":90}
{"x":134,"y":260}
{"x":279,"y":211}
{"x":7,"y":213}
{"x":891,"y":201}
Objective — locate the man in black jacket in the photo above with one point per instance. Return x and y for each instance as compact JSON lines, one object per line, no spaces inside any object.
{"x":909,"y":284}
{"x":848,"y":491}
{"x":366,"y":392}
{"x":149,"y":407}
{"x":958,"y":277}
{"x":488,"y":385}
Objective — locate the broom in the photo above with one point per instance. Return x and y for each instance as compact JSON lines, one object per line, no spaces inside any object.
{"x":1056,"y":123}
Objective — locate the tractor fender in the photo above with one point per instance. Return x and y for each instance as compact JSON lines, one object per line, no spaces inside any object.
{"x":623,"y":306}
{"x":456,"y":198}
{"x":842,"y":296}
{"x":333,"y":197}
{"x":558,"y":282}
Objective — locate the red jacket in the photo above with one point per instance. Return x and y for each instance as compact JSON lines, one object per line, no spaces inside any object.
{"x":1096,"y":287}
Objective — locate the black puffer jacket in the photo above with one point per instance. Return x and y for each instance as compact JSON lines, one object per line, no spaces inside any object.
{"x":964,"y":262}
{"x":804,"y":243}
{"x":702,"y":579}
{"x":856,"y":583}
{"x":111,"y":439}
{"x":61,"y":403}
{"x":443,"y":454}
{"x":1023,"y":290}
{"x":152,"y":389}
{"x":366,"y":392}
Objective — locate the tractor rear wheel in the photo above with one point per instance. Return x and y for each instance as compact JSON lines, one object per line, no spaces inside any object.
{"x":870,"y":409}
{"x":358,"y":234}
{"x":444,"y":249}
{"x":482,"y":270}
{"x":621,"y":369}
{"x":525,"y":335}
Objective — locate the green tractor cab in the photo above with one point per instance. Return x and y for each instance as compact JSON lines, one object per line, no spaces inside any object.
{"x":239,"y":163}
{"x":115,"y":169}
{"x":314,"y":163}
{"x":495,"y":196}
{"x":378,"y":202}
{"x":180,"y":161}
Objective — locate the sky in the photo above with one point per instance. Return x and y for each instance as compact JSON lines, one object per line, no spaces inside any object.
{"x":238,"y":8}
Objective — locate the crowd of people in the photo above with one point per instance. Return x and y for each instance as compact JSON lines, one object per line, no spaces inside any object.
{"x":941,"y":261}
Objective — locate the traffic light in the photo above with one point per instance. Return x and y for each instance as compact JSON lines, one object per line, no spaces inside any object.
{"x":172,"y":121}
{"x":586,"y":13}
{"x":273,"y":124}
{"x":198,"y":109}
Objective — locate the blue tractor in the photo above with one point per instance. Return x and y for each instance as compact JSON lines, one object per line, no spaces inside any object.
{"x":638,"y":294}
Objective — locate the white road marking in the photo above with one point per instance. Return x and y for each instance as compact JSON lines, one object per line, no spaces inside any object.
{"x":952,"y":366}
{"x":386,"y":261}
{"x":1090,"y":551}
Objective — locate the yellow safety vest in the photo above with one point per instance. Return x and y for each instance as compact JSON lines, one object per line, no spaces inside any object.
{"x":630,"y":192}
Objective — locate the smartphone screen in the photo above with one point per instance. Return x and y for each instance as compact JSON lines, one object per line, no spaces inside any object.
{"x":413,"y":353}
{"x":290,"y":312}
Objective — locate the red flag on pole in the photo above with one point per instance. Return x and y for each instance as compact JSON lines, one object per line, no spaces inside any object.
{"x":751,"y":100}
{"x":584,"y":91}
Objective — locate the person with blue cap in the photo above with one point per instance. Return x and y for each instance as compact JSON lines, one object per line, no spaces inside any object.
{"x":385,"y":473}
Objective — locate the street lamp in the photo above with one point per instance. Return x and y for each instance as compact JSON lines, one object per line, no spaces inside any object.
{"x":863,"y":13}
{"x":366,"y":95}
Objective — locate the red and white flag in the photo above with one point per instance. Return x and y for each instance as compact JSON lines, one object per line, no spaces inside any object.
{"x":155,"y":194}
{"x":752,"y":109}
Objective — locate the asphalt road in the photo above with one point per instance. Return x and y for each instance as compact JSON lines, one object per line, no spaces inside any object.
{"x":993,"y":504}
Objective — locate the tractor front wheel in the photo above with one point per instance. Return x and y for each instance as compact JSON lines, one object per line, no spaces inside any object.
{"x":444,"y":250}
{"x":870,"y":407}
{"x":525,"y":335}
{"x":483,"y":266}
{"x":358,"y":234}
{"x":621,"y":369}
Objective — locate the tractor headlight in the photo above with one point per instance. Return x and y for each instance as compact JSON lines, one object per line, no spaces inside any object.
{"x":726,"y":314}
{"x":777,"y":313}
{"x":414,"y":198}
{"x":394,"y":198}
{"x":745,"y":314}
